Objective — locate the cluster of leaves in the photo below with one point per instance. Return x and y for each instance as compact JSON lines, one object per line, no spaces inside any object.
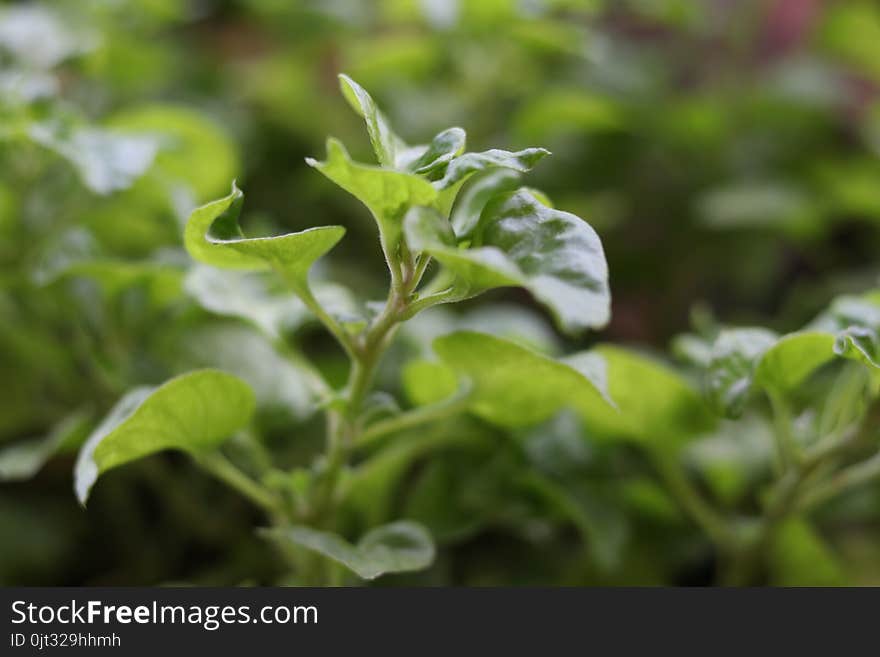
{"x":521,"y":463}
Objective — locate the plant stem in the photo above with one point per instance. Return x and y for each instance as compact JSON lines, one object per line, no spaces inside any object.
{"x":848,"y":478}
{"x":413,"y":418}
{"x":328,"y":321}
{"x":444,"y":296}
{"x":222,"y":468}
{"x":786,"y":445}
{"x":784,"y":500}
{"x":342,"y":426}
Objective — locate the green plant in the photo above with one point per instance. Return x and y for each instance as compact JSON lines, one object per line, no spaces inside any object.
{"x":490,"y":236}
{"x":451,"y":226}
{"x":463,"y":211}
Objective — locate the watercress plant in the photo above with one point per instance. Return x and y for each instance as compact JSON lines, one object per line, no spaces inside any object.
{"x":492,"y":236}
{"x":451,"y":225}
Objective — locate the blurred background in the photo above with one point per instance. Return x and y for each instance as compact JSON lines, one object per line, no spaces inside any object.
{"x":727,"y":152}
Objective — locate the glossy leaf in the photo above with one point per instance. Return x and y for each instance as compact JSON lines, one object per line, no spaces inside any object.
{"x":474,"y":197}
{"x":731,"y":371}
{"x":213,"y":236}
{"x":743,"y":359}
{"x":192,"y":412}
{"x":387,"y":194}
{"x":521,"y":242}
{"x":463,"y":166}
{"x":385,"y":143}
{"x":442,"y":149}
{"x":855,"y":321}
{"x":398,"y":547}
{"x":515,"y":386}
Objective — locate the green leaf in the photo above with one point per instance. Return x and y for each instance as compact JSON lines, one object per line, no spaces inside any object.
{"x":193,"y":149}
{"x":245,"y":295}
{"x":793,"y":357}
{"x":742,"y":359}
{"x":855,"y":321}
{"x":106,"y":160}
{"x":734,"y":458}
{"x":398,"y":547}
{"x":654,"y":405}
{"x":470,"y":203}
{"x":371,"y":488}
{"x":192,"y":412}
{"x":515,"y":386}
{"x":22,"y":461}
{"x":387,"y":194}
{"x":521,"y":242}
{"x":799,"y":556}
{"x":859,"y":343}
{"x":386,"y":144}
{"x":731,"y":371}
{"x":463,"y":166}
{"x":428,"y":382}
{"x":213,"y":236}
{"x":252,"y":297}
{"x":278,"y":383}
{"x":442,"y":149}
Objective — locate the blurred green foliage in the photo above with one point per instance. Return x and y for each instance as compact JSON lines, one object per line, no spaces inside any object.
{"x":728,"y":154}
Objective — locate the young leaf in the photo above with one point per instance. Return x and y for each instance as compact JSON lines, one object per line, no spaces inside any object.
{"x":470,"y":203}
{"x":793,"y":357}
{"x":193,"y":412}
{"x":742,"y":359}
{"x":467,"y":164}
{"x":515,"y":386}
{"x":398,"y":547}
{"x":521,"y":242}
{"x":855,"y":321}
{"x":859,"y":343}
{"x":735,"y":356}
{"x":442,"y":149}
{"x":214,"y":237}
{"x":387,"y":194}
{"x":464,"y":166}
{"x":386,"y":144}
